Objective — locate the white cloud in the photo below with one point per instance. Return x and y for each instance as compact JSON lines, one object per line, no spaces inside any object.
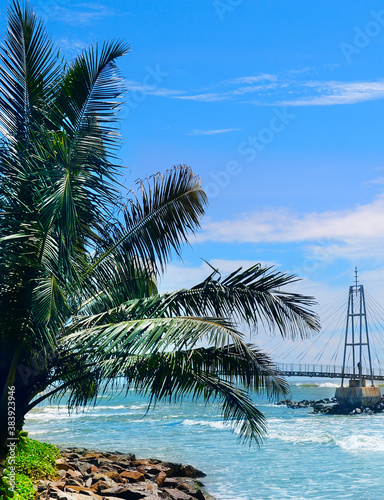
{"x":212,"y":132}
{"x":358,"y":231}
{"x":379,"y":180}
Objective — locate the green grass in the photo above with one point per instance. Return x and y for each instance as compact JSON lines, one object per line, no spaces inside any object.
{"x":33,"y":461}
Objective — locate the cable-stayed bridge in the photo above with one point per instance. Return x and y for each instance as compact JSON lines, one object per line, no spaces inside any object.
{"x":349,"y":346}
{"x":324,"y":370}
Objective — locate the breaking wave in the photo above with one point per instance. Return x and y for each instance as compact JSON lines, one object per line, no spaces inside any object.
{"x":317,"y":384}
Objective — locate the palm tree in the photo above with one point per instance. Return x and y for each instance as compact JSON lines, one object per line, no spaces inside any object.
{"x":79,"y":304}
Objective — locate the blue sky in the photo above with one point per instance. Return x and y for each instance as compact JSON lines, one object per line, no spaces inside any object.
{"x":278,"y":105}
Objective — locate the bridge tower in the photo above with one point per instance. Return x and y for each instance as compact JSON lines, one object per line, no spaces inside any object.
{"x":357,"y":342}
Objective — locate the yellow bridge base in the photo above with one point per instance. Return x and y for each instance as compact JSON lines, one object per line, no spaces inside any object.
{"x":357,"y":396}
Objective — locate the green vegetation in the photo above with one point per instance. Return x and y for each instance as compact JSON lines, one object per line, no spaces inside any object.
{"x":33,"y":461}
{"x":80,"y":259}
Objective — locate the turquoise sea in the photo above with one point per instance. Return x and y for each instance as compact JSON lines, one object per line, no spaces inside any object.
{"x":305,"y":456}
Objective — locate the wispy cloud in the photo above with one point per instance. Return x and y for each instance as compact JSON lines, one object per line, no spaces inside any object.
{"x":379,"y":180}
{"x":212,"y":132}
{"x":249,"y":79}
{"x":233,"y":88}
{"x":237,"y":87}
{"x":293,"y":88}
{"x":331,"y":93}
{"x":82,"y":13}
{"x":135,"y":86}
{"x":207,"y":97}
{"x":71,"y":47}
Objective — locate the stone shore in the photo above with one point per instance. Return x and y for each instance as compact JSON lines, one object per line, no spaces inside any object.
{"x":90,"y":475}
{"x":331,"y":406}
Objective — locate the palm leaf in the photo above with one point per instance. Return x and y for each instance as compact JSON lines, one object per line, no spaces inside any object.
{"x":141,"y":336}
{"x":252,"y":296}
{"x":155,"y":224}
{"x":28,"y":73}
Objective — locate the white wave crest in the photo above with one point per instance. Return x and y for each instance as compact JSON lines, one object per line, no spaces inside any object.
{"x":362,"y":442}
{"x":317,"y":384}
{"x":61,"y":412}
{"x":96,"y":408}
{"x":206,"y":423}
{"x":321,"y":438}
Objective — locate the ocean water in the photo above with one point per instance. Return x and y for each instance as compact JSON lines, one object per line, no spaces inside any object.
{"x":305,"y":456}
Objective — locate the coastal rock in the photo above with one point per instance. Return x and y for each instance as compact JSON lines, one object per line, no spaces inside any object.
{"x":133,"y":476}
{"x":160,"y":478}
{"x":120,"y":476}
{"x":61,"y":465}
{"x":179,"y":470}
{"x":102,"y":485}
{"x":73,"y":473}
{"x":83,"y":467}
{"x":132,"y":492}
{"x":115,"y":476}
{"x":122,"y":492}
{"x":320,"y":406}
{"x":189,"y":471}
{"x":332,"y":407}
{"x":177,"y":494}
{"x":79,"y":496}
{"x":73,"y":482}
{"x":171,"y":482}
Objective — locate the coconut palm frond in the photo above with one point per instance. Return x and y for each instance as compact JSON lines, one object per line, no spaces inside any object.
{"x":156,"y":222}
{"x":252,"y":296}
{"x":88,"y":103}
{"x":29,"y":72}
{"x":141,"y":336}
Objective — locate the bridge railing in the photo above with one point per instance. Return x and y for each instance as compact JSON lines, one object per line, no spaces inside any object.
{"x":312,"y":369}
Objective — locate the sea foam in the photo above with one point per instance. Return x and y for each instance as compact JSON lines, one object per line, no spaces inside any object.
{"x":362,"y":442}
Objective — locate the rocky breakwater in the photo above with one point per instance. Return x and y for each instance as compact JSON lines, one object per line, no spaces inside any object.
{"x":88,"y":475}
{"x":331,"y":406}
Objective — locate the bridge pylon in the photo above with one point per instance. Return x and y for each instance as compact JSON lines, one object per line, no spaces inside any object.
{"x":357,"y":343}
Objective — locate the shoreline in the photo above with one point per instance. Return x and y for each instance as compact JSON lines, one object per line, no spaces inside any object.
{"x":85,"y":474}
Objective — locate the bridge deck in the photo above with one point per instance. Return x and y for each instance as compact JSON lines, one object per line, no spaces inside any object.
{"x":326,"y":371}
